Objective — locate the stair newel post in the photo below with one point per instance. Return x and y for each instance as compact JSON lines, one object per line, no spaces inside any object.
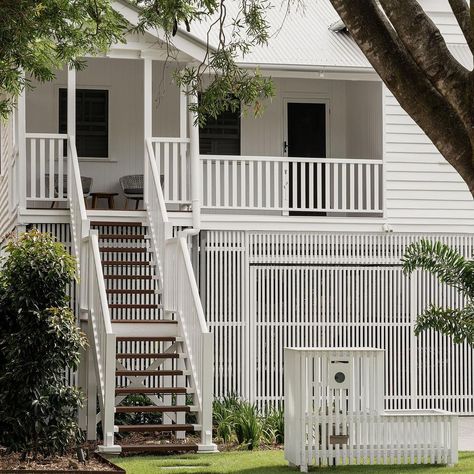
{"x":109,"y":395}
{"x":207,"y":392}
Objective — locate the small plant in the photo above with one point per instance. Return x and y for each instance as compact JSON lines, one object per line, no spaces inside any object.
{"x":39,"y":341}
{"x":248,"y":425}
{"x":224,"y":411}
{"x":274,"y":426}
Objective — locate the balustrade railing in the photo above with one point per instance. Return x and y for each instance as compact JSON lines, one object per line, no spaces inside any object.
{"x":101,"y":337}
{"x":46,"y":167}
{"x":173,"y":167}
{"x":181,"y":296}
{"x":292,"y":184}
{"x":160,"y":228}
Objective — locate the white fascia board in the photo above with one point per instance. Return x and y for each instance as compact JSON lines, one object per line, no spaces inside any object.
{"x":194,"y":49}
{"x":314,"y":72}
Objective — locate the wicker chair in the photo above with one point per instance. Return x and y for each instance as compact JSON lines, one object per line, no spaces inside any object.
{"x":85,"y":181}
{"x":132,"y":187}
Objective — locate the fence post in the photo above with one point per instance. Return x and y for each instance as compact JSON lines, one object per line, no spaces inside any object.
{"x":413,"y":342}
{"x":207,"y":393}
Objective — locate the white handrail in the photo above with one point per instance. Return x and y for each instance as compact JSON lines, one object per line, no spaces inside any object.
{"x":101,"y":336}
{"x":181,"y":294}
{"x":182,"y":297}
{"x":158,"y":222}
{"x":284,"y":159}
{"x":80,"y":224}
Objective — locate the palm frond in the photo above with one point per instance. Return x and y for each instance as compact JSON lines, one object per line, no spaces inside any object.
{"x":456,"y":323}
{"x":442,"y":261}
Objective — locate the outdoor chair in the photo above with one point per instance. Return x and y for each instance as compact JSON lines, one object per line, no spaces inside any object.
{"x":132,"y":187}
{"x":85,"y":181}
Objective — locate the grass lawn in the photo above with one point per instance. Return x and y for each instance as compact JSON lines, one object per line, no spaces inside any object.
{"x":266,"y":462}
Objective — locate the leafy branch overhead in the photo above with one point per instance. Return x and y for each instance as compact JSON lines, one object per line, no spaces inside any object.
{"x":451,"y":269}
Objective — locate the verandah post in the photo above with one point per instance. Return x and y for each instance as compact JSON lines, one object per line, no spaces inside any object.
{"x":196,"y":178}
{"x":147,"y":120}
{"x":22,"y":177}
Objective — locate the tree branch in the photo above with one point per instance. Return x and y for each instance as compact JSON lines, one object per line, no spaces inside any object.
{"x":425,"y":44}
{"x":462,"y":12}
{"x":416,"y":94}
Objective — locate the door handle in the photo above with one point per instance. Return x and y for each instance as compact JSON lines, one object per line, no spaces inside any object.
{"x":285,"y":146}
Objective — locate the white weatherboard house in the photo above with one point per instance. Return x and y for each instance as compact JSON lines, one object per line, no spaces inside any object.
{"x":294,"y":223}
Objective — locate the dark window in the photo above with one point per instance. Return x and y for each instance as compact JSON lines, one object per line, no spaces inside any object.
{"x":92,"y":121}
{"x":221,"y":136}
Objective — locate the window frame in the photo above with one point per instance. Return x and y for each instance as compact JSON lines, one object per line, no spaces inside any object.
{"x":239,"y":124}
{"x":107,"y":88}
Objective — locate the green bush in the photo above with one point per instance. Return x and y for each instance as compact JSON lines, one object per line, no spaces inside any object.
{"x":248,"y":426}
{"x":274,"y":426}
{"x":238,"y":420}
{"x":39,"y":341}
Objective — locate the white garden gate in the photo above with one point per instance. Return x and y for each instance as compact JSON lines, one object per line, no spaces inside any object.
{"x":267,"y":291}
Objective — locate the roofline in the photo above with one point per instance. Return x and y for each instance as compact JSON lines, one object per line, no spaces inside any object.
{"x":182,"y":41}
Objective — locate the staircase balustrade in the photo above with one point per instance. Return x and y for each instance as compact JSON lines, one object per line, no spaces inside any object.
{"x":181,"y":296}
{"x":102,"y":339}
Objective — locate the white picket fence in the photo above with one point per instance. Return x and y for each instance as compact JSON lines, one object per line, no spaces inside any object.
{"x":265,"y":291}
{"x":334,"y":414}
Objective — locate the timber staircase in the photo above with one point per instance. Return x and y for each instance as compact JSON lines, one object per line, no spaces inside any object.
{"x":153,"y":394}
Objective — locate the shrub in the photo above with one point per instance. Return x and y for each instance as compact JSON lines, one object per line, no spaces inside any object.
{"x":248,"y":425}
{"x":39,"y":340}
{"x":224,"y":411}
{"x":274,"y":426}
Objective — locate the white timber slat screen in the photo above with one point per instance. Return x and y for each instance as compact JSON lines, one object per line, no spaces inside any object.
{"x":266,"y":291}
{"x":46,"y":178}
{"x":173,"y":164}
{"x":292,"y":184}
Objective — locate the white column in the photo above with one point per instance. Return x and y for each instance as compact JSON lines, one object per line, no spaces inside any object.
{"x":147,"y":119}
{"x":196,"y":178}
{"x":71,"y":122}
{"x":22,"y":177}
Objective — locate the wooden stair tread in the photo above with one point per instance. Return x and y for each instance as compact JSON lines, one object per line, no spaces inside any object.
{"x":148,"y":321}
{"x":129,"y":277}
{"x":154,"y":373}
{"x":125,"y":390}
{"x":116,"y":224}
{"x":145,"y":428}
{"x":119,"y":291}
{"x":146,"y":338}
{"x":159,"y":448}
{"x":150,"y":355}
{"x":124,"y":250}
{"x":153,"y":409}
{"x":122,"y":236}
{"x":134,"y":306}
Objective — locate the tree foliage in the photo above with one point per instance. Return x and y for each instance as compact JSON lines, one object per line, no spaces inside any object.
{"x":451,"y":269}
{"x":38,"y":37}
{"x":39,"y":341}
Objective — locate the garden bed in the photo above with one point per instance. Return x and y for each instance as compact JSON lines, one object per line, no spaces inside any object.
{"x":58,"y":464}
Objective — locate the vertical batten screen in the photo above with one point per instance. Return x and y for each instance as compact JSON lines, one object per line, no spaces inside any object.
{"x":265,"y":291}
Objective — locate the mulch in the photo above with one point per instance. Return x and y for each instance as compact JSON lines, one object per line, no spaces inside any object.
{"x":12,"y":462}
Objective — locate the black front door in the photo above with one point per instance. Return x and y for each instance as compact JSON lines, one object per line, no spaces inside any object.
{"x":306,"y":124}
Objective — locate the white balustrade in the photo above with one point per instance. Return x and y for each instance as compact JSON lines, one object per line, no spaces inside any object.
{"x":173,"y":167}
{"x":46,"y":167}
{"x":80,"y":223}
{"x":101,"y":338}
{"x":182,"y":297}
{"x":334,"y":414}
{"x":292,"y":184}
{"x":160,"y":228}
